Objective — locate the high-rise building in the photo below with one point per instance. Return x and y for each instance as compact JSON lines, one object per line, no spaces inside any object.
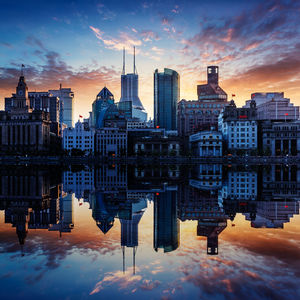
{"x":166,"y":96}
{"x":202,"y":114}
{"x":130,"y":91}
{"x":274,"y":106}
{"x":66,"y":97}
{"x":104,"y":100}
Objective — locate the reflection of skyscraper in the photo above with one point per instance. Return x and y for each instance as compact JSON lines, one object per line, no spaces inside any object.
{"x":129,"y":229}
{"x":166,"y":96}
{"x":166,"y":224}
{"x":211,"y":228}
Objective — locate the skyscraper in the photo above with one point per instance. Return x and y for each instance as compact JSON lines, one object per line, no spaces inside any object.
{"x":130,"y":91}
{"x":166,"y":96}
{"x":66,"y":97}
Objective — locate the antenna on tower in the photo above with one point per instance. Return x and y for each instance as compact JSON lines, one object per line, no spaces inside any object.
{"x":123,"y":72}
{"x":134,"y":68}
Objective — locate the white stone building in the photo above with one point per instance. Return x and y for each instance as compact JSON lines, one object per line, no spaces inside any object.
{"x":239,"y":127}
{"x":79,"y":138}
{"x":207,"y":143}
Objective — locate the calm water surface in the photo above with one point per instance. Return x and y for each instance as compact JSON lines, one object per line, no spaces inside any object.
{"x":207,"y":232}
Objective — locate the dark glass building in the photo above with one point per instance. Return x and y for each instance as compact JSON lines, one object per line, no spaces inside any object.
{"x":166,"y":96}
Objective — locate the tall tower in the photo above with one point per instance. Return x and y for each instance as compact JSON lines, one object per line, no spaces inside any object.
{"x":166,"y":96}
{"x":213,"y":75}
{"x":130,"y":89}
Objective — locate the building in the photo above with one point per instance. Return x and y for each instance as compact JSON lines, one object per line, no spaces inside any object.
{"x":166,"y":96}
{"x":206,"y":143}
{"x":111,"y":141}
{"x":153,"y":142}
{"x":66,"y":97}
{"x":280,"y":138}
{"x":21,"y":128}
{"x":239,"y":126}
{"x":79,"y":138}
{"x":104,"y":100}
{"x":202,"y":114}
{"x":130,"y":91}
{"x":274,"y":106}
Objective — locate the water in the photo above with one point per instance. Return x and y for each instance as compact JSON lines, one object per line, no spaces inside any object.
{"x":171,"y":232}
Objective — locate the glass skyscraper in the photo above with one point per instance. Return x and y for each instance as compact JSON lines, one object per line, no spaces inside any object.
{"x":166,"y":96}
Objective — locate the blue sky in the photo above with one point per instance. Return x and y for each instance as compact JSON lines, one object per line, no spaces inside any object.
{"x":79,"y":44}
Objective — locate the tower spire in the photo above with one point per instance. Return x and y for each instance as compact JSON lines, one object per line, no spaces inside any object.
{"x":134,"y":68}
{"x":123,"y":72}
{"x":22,"y":70}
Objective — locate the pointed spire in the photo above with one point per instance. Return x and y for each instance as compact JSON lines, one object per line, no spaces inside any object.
{"x":22,"y":70}
{"x":123,"y":251}
{"x":134,"y":67}
{"x":134,"y":252}
{"x":123,"y":72}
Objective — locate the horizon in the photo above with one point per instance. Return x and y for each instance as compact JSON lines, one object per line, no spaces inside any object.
{"x":80,"y":45}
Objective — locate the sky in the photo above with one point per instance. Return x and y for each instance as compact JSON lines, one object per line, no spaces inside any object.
{"x":256,"y":45}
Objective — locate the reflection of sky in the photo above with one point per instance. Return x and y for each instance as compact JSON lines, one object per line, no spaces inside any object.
{"x":79,"y":43}
{"x":252,"y":263}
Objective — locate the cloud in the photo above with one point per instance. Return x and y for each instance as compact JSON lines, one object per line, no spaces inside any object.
{"x":7,"y":45}
{"x":124,"y":40}
{"x":149,"y":35}
{"x":106,"y":14}
{"x":175,"y":10}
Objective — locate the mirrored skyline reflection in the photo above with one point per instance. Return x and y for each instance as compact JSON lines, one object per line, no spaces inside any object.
{"x":207,"y":231}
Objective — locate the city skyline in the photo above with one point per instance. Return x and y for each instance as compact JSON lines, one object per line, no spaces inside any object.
{"x":80,"y":46}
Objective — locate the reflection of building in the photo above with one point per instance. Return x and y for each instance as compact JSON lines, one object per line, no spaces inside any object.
{"x":129,"y":229}
{"x":206,"y":143}
{"x":273,"y":106}
{"x":81,"y":183}
{"x":66,"y":97}
{"x":166,"y":96}
{"x":281,"y":138}
{"x":22,"y":129}
{"x":273,"y":214}
{"x":202,"y":114}
{"x":29,"y":201}
{"x":241,"y":185}
{"x":166,"y":225}
{"x":239,"y":126}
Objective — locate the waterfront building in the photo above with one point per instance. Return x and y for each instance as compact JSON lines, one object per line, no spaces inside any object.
{"x":153,"y":142}
{"x":111,"y":141}
{"x":274,"y":106}
{"x":280,"y":138}
{"x":239,"y":127}
{"x":66,"y":98}
{"x":202,"y":114}
{"x":130,"y":92}
{"x":166,"y":96}
{"x":21,"y":128}
{"x":79,"y":138}
{"x":206,"y":143}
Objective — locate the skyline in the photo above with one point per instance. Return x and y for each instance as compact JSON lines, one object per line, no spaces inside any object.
{"x":80,"y":45}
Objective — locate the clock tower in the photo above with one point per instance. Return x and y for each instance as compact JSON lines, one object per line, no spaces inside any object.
{"x":21,"y":101}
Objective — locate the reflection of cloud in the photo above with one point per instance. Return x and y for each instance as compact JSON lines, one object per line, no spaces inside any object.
{"x":124,"y":281}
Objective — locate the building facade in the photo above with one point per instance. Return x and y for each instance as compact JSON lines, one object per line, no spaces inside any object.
{"x":239,"y":127}
{"x":21,"y":129}
{"x":274,"y":106}
{"x":79,"y":138}
{"x":202,"y":114}
{"x":166,"y":96}
{"x":281,"y":138}
{"x":206,"y":143}
{"x":66,"y":97}
{"x":111,"y":142}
